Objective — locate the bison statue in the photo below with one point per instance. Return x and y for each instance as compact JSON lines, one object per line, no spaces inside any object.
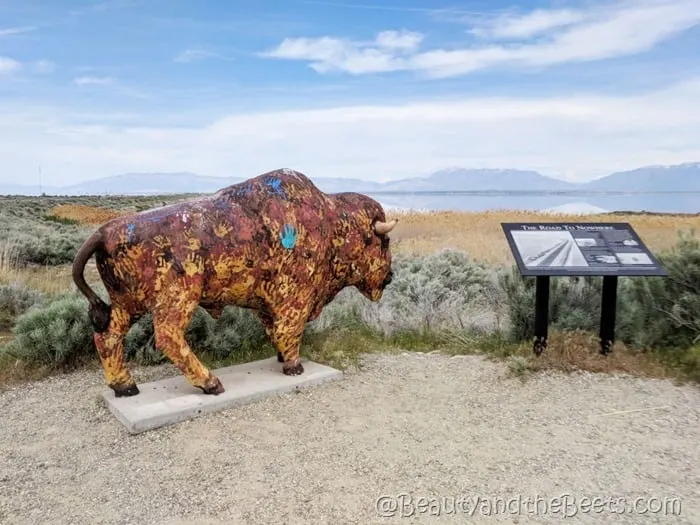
{"x":274,"y":244}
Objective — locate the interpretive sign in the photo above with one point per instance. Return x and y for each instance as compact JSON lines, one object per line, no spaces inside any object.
{"x":571,"y":249}
{"x":549,"y":249}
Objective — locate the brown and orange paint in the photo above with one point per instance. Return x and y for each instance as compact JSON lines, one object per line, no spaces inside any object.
{"x":274,"y":244}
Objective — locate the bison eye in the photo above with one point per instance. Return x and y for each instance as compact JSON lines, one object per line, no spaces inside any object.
{"x":368,"y":241}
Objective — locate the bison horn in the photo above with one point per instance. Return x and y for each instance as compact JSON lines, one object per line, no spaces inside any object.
{"x":382,"y":228}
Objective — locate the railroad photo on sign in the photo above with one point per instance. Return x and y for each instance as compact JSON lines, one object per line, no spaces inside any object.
{"x":548,"y":248}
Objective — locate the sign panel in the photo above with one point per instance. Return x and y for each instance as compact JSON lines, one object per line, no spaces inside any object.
{"x":580,"y":249}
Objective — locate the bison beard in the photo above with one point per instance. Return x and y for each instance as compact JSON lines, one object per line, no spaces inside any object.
{"x":274,"y":244}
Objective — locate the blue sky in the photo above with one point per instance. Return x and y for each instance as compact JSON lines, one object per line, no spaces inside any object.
{"x":375,"y":90}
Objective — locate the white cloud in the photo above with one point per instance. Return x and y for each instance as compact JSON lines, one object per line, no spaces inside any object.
{"x":528,"y":25}
{"x":9,"y":66}
{"x":92,"y":81}
{"x":580,"y":136}
{"x":11,"y":31}
{"x":384,"y":53}
{"x":614,"y":30}
{"x":192,"y":55}
{"x":399,"y":40}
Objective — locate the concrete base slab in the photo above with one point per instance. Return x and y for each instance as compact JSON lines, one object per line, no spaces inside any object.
{"x":173,"y":400}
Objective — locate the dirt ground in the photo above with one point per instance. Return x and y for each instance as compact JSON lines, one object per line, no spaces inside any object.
{"x":459,"y":438}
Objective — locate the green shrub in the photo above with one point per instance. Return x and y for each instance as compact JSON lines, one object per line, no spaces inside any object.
{"x":58,"y":334}
{"x":199,"y":330}
{"x":58,"y":248}
{"x":690,"y":361}
{"x":432,"y":294}
{"x":16,"y":300}
{"x":574,"y":303}
{"x":38,"y":246}
{"x":237,"y":331}
{"x":664,"y":312}
{"x":437,"y":291}
{"x":139,"y":344}
{"x":35,"y":240}
{"x":60,"y":220}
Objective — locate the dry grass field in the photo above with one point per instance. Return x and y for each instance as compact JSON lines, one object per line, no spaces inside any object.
{"x":48,"y":279}
{"x":84,"y":214}
{"x":478,"y":234}
{"x":481,"y":237}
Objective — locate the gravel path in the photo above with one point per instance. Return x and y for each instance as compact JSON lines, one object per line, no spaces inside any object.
{"x":457,"y":432}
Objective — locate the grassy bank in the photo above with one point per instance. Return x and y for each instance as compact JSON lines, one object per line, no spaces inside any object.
{"x":455,"y":291}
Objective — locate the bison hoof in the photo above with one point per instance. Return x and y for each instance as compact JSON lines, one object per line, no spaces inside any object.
{"x":125,"y":391}
{"x":280,"y":357}
{"x":293,"y":369}
{"x":215,"y":389}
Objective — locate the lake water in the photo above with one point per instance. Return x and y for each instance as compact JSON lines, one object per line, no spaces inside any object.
{"x":568,"y":202}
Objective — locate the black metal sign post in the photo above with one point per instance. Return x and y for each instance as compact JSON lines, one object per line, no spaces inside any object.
{"x":541,"y":313}
{"x":610,"y":250}
{"x":608,"y":310}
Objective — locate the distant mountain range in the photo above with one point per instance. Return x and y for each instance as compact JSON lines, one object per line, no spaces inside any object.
{"x":679,"y":178}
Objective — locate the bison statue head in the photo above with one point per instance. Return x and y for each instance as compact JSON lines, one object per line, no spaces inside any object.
{"x":363,"y":255}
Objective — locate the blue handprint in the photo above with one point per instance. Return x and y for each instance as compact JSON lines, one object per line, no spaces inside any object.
{"x":275,"y":186}
{"x":288,"y":236}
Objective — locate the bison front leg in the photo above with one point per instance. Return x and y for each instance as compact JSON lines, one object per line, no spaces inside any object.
{"x":287,"y":330}
{"x":110,"y":347}
{"x":169,"y":324}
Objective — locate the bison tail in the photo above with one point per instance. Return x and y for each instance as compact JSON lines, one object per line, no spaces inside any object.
{"x":99,"y":311}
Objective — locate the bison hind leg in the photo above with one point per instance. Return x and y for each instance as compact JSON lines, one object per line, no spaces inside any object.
{"x":110,"y":347}
{"x":169,"y":323}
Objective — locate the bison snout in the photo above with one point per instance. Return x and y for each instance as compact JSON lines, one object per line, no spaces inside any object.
{"x":387,"y":280}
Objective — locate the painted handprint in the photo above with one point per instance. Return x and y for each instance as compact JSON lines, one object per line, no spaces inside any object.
{"x":288,"y":236}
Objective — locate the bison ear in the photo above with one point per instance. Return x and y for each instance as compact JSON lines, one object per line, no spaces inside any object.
{"x":382,"y":228}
